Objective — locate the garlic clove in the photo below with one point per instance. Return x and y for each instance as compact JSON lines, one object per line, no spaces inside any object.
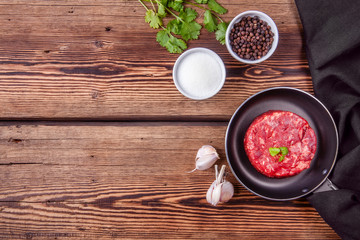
{"x":210,"y":192}
{"x":205,"y":158}
{"x":206,"y":150}
{"x":216,"y":194}
{"x":213,"y":193}
{"x":227,"y":191}
{"x":206,"y":161}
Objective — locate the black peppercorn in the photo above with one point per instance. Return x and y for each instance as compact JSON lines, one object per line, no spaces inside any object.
{"x":251,"y":36}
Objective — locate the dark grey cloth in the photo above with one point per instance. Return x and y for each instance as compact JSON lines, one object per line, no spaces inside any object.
{"x":332,"y":38}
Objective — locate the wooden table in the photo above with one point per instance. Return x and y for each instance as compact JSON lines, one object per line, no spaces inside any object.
{"x":96,"y":140}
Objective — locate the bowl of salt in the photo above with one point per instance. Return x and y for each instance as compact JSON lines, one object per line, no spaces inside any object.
{"x":199,"y":73}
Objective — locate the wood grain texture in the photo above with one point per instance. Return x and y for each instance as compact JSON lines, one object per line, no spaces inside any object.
{"x":98,"y":140}
{"x":129,"y":181}
{"x":99,"y":60}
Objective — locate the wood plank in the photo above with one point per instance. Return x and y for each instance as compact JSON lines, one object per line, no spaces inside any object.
{"x":129,"y":181}
{"x":99,"y":60}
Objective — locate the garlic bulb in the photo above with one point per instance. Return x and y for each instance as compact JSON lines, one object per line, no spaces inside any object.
{"x":227,"y":191}
{"x":205,"y":158}
{"x":220,"y":190}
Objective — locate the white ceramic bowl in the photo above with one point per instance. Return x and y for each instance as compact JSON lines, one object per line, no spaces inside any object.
{"x":199,"y":73}
{"x":263,"y":17}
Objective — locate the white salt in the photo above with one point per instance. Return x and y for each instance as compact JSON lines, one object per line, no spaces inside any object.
{"x":199,"y":75}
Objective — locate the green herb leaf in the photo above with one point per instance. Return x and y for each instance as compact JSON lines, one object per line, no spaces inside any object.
{"x":161,"y":10}
{"x":274,"y":151}
{"x":162,"y":37}
{"x":176,"y":45}
{"x":221,"y":32}
{"x":153,"y":19}
{"x":174,"y":26}
{"x":185,"y":23}
{"x":202,"y":1}
{"x":210,"y":22}
{"x":188,"y":14}
{"x":163,"y":2}
{"x":172,"y":44}
{"x":176,"y":5}
{"x":284,"y":150}
{"x":190,"y":30}
{"x":216,"y":7}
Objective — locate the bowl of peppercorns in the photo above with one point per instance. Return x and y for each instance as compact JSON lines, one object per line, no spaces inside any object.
{"x":252,"y":37}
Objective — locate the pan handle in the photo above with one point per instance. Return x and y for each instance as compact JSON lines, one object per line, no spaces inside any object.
{"x":327,"y":185}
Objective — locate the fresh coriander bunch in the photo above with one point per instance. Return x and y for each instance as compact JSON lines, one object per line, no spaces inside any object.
{"x":183,"y":25}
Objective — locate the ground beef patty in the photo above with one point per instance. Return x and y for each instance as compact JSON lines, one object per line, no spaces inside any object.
{"x":275,"y":129}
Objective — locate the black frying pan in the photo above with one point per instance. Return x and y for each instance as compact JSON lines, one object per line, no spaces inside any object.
{"x":303,"y":104}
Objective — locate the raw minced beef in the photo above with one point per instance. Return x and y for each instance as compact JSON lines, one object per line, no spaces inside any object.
{"x":275,"y":129}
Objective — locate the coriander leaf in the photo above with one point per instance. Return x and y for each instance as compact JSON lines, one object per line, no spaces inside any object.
{"x":220,"y":33}
{"x":201,"y":1}
{"x":176,"y":45}
{"x":162,"y":37}
{"x":190,"y":30}
{"x":176,"y":5}
{"x":161,"y":10}
{"x":209,"y":21}
{"x":216,"y":7}
{"x":188,"y":14}
{"x":184,"y":24}
{"x":284,"y":150}
{"x":163,"y":2}
{"x":153,"y":19}
{"x":172,"y":44}
{"x":274,"y":151}
{"x":174,"y":26}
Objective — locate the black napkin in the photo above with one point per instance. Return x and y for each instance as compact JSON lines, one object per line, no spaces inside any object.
{"x":332,"y":38}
